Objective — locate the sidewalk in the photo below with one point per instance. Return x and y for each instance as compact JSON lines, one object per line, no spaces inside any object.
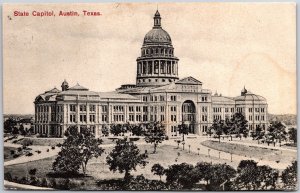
{"x":11,"y":186}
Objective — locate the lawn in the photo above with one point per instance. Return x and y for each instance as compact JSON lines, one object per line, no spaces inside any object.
{"x":98,"y":170}
{"x":55,"y":141}
{"x":252,"y":151}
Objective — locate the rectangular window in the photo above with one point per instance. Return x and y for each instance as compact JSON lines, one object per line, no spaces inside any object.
{"x":138,"y":109}
{"x":92,"y":108}
{"x":131,"y":109}
{"x":162,"y":109}
{"x":145,"y":98}
{"x":72,"y":118}
{"x":173,"y":98}
{"x":72,"y":108}
{"x":104,"y":118}
{"x":162,"y":118}
{"x":82,"y":118}
{"x":145,"y":118}
{"x":145,"y":109}
{"x":92,"y":118}
{"x":104,"y":109}
{"x":82,"y":108}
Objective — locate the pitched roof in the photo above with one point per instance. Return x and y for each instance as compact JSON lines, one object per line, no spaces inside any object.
{"x":115,"y":95}
{"x":222,"y":99}
{"x":78,"y":87}
{"x":189,"y":80}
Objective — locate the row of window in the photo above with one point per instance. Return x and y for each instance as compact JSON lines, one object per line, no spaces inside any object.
{"x":82,"y":118}
{"x":257,"y":118}
{"x":257,"y":110}
{"x":165,"y":67}
{"x":161,"y":51}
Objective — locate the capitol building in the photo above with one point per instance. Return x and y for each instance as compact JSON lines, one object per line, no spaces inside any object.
{"x":158,"y":95}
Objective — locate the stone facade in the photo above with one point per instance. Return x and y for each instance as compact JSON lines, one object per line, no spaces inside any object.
{"x":158,"y":95}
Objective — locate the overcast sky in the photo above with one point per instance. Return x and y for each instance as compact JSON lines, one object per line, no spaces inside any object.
{"x":226,"y":46}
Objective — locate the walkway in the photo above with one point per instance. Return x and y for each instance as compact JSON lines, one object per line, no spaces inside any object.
{"x":12,"y":185}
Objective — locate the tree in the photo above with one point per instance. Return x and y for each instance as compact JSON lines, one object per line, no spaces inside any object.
{"x":218,"y":128}
{"x":137,"y":130}
{"x":125,"y":157}
{"x":203,"y":171}
{"x":105,"y":130}
{"x":267,"y":176}
{"x":77,"y":150}
{"x":289,"y":177}
{"x":157,"y":169}
{"x":258,"y":134}
{"x":116,"y":129}
{"x":293,"y":135}
{"x":277,"y":131}
{"x":221,"y":173}
{"x":183,"y":129}
{"x":9,"y":125}
{"x":247,"y":175}
{"x":181,"y":174}
{"x":15,"y":131}
{"x":239,"y":125}
{"x":22,"y":130}
{"x":155,"y":134}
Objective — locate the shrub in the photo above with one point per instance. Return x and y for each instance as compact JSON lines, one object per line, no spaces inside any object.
{"x":53,"y":147}
{"x":59,"y":145}
{"x":15,"y":141}
{"x":52,"y":183}
{"x":16,"y":155}
{"x":32,"y":172}
{"x":19,"y":149}
{"x":47,"y":150}
{"x":8,"y":176}
{"x":29,"y":154}
{"x":44,"y":182}
{"x":12,"y":152}
{"x":64,"y":184}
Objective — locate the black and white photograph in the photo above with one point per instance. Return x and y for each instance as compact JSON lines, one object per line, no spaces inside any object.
{"x":150,"y":96}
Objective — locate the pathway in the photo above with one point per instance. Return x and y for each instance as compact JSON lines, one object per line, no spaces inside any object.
{"x":12,"y":185}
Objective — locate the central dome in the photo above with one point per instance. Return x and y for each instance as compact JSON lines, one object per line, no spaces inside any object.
{"x":157,"y":35}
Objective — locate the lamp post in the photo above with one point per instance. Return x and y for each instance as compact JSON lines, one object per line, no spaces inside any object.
{"x":208,"y":152}
{"x":219,"y":154}
{"x":198,"y":151}
{"x":231,"y":157}
{"x":189,"y":148}
{"x":183,"y":145}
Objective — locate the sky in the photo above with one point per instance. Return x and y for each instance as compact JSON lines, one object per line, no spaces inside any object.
{"x":224,"y":45}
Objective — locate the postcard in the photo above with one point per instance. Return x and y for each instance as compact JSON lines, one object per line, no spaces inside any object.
{"x":150,"y":96}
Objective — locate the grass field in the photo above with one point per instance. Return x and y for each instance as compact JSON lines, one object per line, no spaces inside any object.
{"x":55,"y":141}
{"x":98,"y":170}
{"x":252,"y":151}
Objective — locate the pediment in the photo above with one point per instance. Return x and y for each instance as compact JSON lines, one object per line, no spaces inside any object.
{"x":189,"y":80}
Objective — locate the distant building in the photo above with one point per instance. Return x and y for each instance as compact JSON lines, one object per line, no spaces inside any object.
{"x":158,"y":95}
